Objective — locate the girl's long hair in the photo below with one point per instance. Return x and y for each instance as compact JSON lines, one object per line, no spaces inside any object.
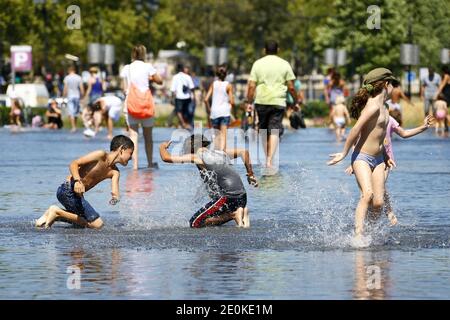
{"x":221,"y":73}
{"x":360,"y":99}
{"x":336,"y":79}
{"x":139,"y":52}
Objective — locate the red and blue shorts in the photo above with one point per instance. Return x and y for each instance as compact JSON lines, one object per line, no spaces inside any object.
{"x":216,"y":207}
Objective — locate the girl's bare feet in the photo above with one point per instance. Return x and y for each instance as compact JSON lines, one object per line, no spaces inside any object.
{"x":392,"y":218}
{"x":360,"y":241}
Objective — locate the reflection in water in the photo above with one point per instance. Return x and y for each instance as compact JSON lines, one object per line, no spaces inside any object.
{"x":139,"y":190}
{"x":371,"y":275}
{"x":225,"y":273}
{"x":299,"y":218}
{"x":139,"y":181}
{"x":98,"y":271}
{"x":273,"y":183}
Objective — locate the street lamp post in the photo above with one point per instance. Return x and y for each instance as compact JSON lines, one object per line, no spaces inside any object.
{"x":148,"y":7}
{"x":445,"y":56}
{"x":45,"y":18}
{"x":335,"y":57}
{"x":409,"y":56}
{"x":295,"y":58}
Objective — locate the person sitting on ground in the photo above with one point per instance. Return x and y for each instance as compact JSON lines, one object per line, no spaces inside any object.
{"x":15,"y":115}
{"x":37,"y":122}
{"x":53,"y":115}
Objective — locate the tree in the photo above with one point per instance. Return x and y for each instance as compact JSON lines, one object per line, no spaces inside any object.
{"x":303,"y":29}
{"x":430,"y":29}
{"x":368,"y":48}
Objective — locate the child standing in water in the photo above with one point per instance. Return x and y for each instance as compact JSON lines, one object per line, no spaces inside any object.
{"x":222,"y":102}
{"x":340,"y":117}
{"x":85,"y":173}
{"x":441,"y":112}
{"x":225,"y":187}
{"x":394,"y":126}
{"x":369,"y":155}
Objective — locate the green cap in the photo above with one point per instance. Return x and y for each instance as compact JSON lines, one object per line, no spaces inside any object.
{"x":380,"y":74}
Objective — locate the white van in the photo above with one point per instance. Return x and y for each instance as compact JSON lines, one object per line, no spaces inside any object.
{"x":5,"y":101}
{"x":33,"y":94}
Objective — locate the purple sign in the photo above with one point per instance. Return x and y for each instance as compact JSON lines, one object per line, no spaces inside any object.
{"x":21,"y":59}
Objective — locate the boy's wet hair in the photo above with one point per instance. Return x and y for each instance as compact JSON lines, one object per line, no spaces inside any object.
{"x":195,"y":142}
{"x":121,"y":141}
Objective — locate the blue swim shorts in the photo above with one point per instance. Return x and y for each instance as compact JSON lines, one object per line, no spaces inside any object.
{"x":73,"y":203}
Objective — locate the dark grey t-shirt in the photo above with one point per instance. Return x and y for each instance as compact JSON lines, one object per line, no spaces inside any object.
{"x":220,"y":177}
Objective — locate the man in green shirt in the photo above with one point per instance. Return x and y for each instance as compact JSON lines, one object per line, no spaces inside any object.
{"x":271,"y":77}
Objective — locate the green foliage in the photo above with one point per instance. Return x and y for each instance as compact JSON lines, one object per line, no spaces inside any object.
{"x":4,"y":115}
{"x":302,"y":27}
{"x":381,"y":47}
{"x":114,"y":22}
{"x":315,"y":109}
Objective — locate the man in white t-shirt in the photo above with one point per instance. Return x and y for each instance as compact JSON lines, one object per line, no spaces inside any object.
{"x":181,"y":88}
{"x":74,"y":91}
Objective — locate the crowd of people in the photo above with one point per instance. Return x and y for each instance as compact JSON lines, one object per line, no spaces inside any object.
{"x":272,"y":92}
{"x":188,"y":93}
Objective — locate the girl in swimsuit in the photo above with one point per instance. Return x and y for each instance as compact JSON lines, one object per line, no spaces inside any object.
{"x":441,"y":112}
{"x":369,"y":156}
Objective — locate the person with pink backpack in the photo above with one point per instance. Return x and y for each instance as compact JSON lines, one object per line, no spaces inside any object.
{"x":139,"y":101}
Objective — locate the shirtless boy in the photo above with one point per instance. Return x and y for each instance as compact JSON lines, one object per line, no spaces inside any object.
{"x":395,"y":110}
{"x":85,"y":173}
